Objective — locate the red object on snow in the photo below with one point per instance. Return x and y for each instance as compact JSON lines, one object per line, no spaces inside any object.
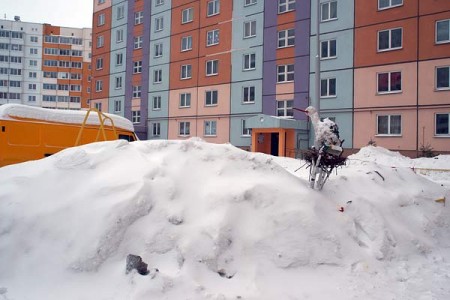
{"x":341,"y":209}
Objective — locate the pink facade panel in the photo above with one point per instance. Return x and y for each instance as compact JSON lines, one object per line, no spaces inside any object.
{"x":223,"y":101}
{"x":427,"y":130}
{"x":366,"y":86}
{"x":177,"y":108}
{"x":174,"y":127}
{"x":365,"y":129}
{"x":99,"y":6}
{"x":222,"y":130}
{"x":428,"y":93}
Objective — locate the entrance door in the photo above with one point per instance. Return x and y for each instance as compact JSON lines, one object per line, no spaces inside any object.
{"x":274,"y":140}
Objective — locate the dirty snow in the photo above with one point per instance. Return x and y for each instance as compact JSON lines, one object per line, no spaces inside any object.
{"x":194,"y":210}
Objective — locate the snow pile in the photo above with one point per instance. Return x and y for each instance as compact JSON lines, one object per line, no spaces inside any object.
{"x":11,"y":111}
{"x":218,"y":223}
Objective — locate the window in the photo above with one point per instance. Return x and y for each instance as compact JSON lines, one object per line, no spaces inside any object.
{"x":98,"y":106}
{"x":138,"y":42}
{"x":184,"y":128}
{"x":99,"y":86}
{"x":136,"y":91}
{"x":187,"y":15}
{"x":136,"y":116}
{"x":117,"y":106}
{"x":185,"y":100}
{"x":390,"y":39}
{"x":31,"y":98}
{"x":99,"y":63}
{"x":389,"y":125}
{"x":33,"y":39}
{"x":328,"y":87}
{"x":32,"y":86}
{"x":101,"y":1}
{"x":384,"y":4}
{"x":284,"y":108}
{"x":249,"y":62}
{"x":442,"y":78}
{"x":285,"y":6}
{"x":212,"y":37}
{"x":211,"y":98}
{"x":186,"y":43}
{"x":118,"y":82}
{"x":119,"y":59}
{"x":249,"y":29}
{"x":156,"y":129}
{"x":119,"y":35}
{"x":156,"y":103}
{"x":157,"y":76}
{"x":328,"y":49}
{"x":390,"y":82}
{"x":249,"y":2}
{"x":186,"y":71}
{"x":158,"y":50}
{"x":286,"y":38}
{"x":32,"y":74}
{"x":213,"y":7}
{"x":159,"y":2}
{"x":212,"y":67}
{"x":100,"y":41}
{"x":137,"y":67}
{"x":138,"y":17}
{"x":159,"y":24}
{"x":33,"y":51}
{"x":210,"y":128}
{"x":120,"y":12}
{"x":248,"y":94}
{"x":285,"y":73}
{"x":442,"y":124}
{"x":244,"y":130}
{"x":33,"y":63}
{"x":101,"y":20}
{"x":328,"y":11}
{"x":443,"y":31}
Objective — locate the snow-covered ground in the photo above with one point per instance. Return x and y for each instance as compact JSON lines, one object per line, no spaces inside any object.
{"x":193,"y":210}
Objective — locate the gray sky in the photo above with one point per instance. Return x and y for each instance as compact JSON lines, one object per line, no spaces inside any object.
{"x":66,"y":13}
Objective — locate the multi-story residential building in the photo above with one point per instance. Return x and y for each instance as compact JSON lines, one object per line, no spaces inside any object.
{"x":44,"y":65}
{"x":234,"y":71}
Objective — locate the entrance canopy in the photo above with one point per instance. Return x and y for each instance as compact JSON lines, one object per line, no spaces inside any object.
{"x":275,"y":135}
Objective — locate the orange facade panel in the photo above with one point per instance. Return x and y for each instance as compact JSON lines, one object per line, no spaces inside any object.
{"x":366,"y":44}
{"x":188,"y":40}
{"x":177,"y":18}
{"x":434,"y":6}
{"x":367,"y":12}
{"x":223,"y":74}
{"x":176,"y":82}
{"x":215,"y":39}
{"x":429,"y":46}
{"x":225,"y":13}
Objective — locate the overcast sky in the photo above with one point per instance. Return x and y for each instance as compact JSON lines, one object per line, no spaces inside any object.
{"x":66,"y":13}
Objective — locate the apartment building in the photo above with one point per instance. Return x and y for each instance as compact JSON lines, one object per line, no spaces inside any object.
{"x":233,"y":71}
{"x":44,"y":65}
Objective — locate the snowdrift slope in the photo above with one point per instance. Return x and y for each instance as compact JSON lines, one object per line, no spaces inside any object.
{"x":193,"y":210}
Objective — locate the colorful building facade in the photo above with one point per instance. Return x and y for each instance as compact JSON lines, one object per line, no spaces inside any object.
{"x":229,"y":70}
{"x":44,"y":65}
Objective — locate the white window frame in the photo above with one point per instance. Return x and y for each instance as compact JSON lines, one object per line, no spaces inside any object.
{"x":159,"y":2}
{"x":156,"y":129}
{"x":247,"y":64}
{"x":245,"y":131}
{"x":389,"y":126}
{"x":327,"y":82}
{"x":117,"y":106}
{"x":120,"y":12}
{"x":215,"y":7}
{"x":288,"y":40}
{"x":157,"y":76}
{"x":249,"y":29}
{"x":286,"y":109}
{"x":247,"y":94}
{"x":99,"y":63}
{"x":249,"y":2}
{"x":188,"y":40}
{"x":211,"y":96}
{"x":285,"y":73}
{"x":184,"y":128}
{"x":448,"y":33}
{"x":210,"y":128}
{"x":158,"y":50}
{"x":119,"y":35}
{"x":137,"y":91}
{"x":187,"y":15}
{"x":327,"y":6}
{"x":186,"y":72}
{"x":212,"y":37}
{"x":436,"y":79}
{"x":390,"y":48}
{"x":136,"y":116}
{"x":99,"y":85}
{"x":389,"y":91}
{"x":328,"y":44}
{"x":390,"y":5}
{"x":214,"y":67}
{"x":156,"y":102}
{"x":285,"y":6}
{"x":448,"y":125}
{"x":119,"y":59}
{"x":101,"y":19}
{"x":159,"y":24}
{"x":100,"y":41}
{"x":137,"y":67}
{"x":137,"y":42}
{"x":118,"y":82}
{"x":185,"y":100}
{"x":138,"y":17}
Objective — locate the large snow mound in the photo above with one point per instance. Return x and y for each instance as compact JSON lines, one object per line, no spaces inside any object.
{"x":194,"y":210}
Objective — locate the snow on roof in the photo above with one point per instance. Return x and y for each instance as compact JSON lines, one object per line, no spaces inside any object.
{"x":13,"y":111}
